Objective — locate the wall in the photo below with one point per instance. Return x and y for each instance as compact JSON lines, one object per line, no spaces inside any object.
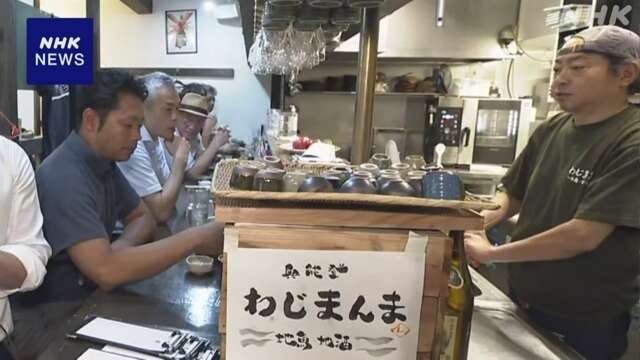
{"x":64,"y":8}
{"x":132,"y":40}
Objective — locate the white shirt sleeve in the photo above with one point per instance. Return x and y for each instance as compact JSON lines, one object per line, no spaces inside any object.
{"x":24,"y":238}
{"x":140,"y":173}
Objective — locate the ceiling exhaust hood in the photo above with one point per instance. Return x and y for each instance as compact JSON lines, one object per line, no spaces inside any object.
{"x":469,"y":30}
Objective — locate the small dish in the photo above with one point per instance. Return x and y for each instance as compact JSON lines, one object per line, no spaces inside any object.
{"x":200,"y":264}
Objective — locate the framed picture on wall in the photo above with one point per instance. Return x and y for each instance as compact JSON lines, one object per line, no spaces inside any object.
{"x":181,"y":31}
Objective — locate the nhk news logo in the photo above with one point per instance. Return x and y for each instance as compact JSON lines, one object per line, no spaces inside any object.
{"x":59,"y":51}
{"x":618,"y":15}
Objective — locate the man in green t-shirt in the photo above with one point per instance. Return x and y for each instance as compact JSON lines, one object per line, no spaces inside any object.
{"x":574,"y":260}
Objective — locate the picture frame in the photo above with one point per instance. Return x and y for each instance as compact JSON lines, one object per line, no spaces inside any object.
{"x":181,"y":31}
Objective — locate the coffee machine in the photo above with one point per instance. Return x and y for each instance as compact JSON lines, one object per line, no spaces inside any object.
{"x":489,"y":131}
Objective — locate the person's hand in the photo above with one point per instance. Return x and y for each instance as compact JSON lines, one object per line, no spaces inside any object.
{"x":478,"y":248}
{"x":220,"y":138}
{"x":182,"y":150}
{"x":212,"y":239}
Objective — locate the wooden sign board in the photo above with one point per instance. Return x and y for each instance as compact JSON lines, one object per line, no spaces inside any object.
{"x":377,"y":266}
{"x":316,"y":305}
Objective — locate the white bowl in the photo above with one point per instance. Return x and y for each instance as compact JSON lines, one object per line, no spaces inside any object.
{"x":200,"y":264}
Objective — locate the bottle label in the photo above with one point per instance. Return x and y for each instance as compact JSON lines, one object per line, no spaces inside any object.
{"x":449,"y":337}
{"x":456,"y":280}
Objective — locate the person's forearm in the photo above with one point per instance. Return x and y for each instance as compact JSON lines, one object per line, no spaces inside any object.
{"x":12,"y":272}
{"x":564,"y":241}
{"x":509,"y":206}
{"x":141,"y":262}
{"x":136,"y":232}
{"x":207,"y":136}
{"x":203,"y":162}
{"x":163,"y":208}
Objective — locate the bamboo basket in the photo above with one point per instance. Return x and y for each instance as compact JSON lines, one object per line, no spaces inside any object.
{"x":226,"y":195}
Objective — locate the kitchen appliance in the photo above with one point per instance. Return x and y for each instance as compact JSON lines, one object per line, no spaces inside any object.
{"x":478,"y":130}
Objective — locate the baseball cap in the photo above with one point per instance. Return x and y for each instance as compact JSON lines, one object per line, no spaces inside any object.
{"x":607,"y":40}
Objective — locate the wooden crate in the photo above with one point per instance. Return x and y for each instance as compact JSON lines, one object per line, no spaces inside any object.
{"x":282,"y":227}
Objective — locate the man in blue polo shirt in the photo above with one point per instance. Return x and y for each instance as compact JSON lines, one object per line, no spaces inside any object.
{"x":83,"y":194}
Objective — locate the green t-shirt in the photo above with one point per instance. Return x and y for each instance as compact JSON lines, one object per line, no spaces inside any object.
{"x":589,"y":172}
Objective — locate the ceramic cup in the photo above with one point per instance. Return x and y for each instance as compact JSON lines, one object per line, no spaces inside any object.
{"x":272,"y":162}
{"x":360,"y":182}
{"x":415,"y":161}
{"x":372,"y":168}
{"x":403,"y":168}
{"x":381,"y":160}
{"x":293,"y":180}
{"x":315,"y":183}
{"x":386,"y":175}
{"x":397,"y":187}
{"x":442,"y":185}
{"x":200,"y":264}
{"x":415,"y":179}
{"x":341,"y":175}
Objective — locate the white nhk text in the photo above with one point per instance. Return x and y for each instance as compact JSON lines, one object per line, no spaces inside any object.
{"x":45,"y":58}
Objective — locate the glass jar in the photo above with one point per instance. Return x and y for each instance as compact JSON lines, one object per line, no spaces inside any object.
{"x":268,"y":180}
{"x":242,"y":177}
{"x":199,"y":205}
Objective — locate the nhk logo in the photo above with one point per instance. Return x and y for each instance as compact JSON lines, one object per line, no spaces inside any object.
{"x":618,"y":15}
{"x":63,"y":59}
{"x":59,"y":51}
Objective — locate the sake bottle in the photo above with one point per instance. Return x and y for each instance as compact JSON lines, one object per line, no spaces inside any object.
{"x":457,"y":320}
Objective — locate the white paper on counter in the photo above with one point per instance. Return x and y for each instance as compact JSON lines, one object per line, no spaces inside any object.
{"x":322,"y":151}
{"x":131,"y":354}
{"x":117,"y":332}
{"x":93,"y":354}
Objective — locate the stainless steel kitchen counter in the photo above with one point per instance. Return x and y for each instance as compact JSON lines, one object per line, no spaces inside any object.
{"x":500,"y":330}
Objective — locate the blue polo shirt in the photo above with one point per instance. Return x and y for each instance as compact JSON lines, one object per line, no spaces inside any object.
{"x":82,"y":195}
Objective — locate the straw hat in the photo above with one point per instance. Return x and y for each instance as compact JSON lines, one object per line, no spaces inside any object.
{"x":195,"y":104}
